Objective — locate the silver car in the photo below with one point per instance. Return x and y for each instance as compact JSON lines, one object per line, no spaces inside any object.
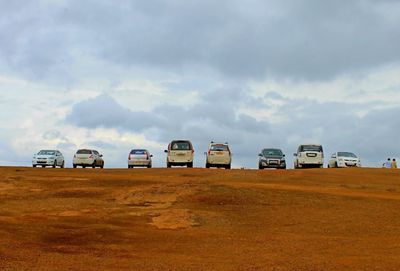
{"x":88,"y":158}
{"x":139,"y":158}
{"x":46,"y":158}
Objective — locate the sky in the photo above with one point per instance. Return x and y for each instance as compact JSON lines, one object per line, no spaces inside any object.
{"x":117,"y":75}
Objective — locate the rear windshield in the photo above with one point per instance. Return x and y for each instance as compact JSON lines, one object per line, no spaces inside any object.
{"x":47,"y":153}
{"x":347,"y":154}
{"x":316,"y":148}
{"x":180,"y":146}
{"x":84,"y":152}
{"x":272,"y":152}
{"x":218,"y":147}
{"x":138,"y":151}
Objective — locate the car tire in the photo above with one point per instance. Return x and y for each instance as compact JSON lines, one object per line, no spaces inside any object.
{"x":94,"y":164}
{"x":207,"y":165}
{"x":74,"y":166}
{"x":34,"y":165}
{"x":260,"y":167}
{"x":43,"y":166}
{"x":83,"y":166}
{"x":102,"y":165}
{"x":149,"y":166}
{"x":168,"y":165}
{"x":63,"y":164}
{"x":228,"y":166}
{"x":336,"y":165}
{"x":190,"y":165}
{"x":55,"y":164}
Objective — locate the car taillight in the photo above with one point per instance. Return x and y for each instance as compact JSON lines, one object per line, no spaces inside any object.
{"x":147,"y":156}
{"x":192,"y":151}
{"x":209,"y":152}
{"x":129,"y":157}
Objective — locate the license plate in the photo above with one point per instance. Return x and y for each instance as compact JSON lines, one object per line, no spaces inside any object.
{"x":220,"y":153}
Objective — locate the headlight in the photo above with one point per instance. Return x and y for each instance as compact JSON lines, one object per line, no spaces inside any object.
{"x":51,"y":157}
{"x":340,"y":159}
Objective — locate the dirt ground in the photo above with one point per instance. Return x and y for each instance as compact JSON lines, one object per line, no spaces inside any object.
{"x":198,"y":219}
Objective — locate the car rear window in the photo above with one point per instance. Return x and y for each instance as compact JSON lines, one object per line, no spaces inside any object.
{"x":180,"y":146}
{"x":138,"y":152}
{"x":315,"y":148}
{"x":218,"y":147}
{"x":84,"y":152}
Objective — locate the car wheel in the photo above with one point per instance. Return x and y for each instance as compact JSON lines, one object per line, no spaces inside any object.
{"x":190,"y":165}
{"x":336,"y":165}
{"x":228,"y":166}
{"x":149,"y":166}
{"x":34,"y":165}
{"x":207,"y":165}
{"x":94,"y":164}
{"x":260,"y":167}
{"x":168,"y":165}
{"x":83,"y":166}
{"x":43,"y":166}
{"x":55,"y":164}
{"x":102,"y":165}
{"x":63,"y":164}
{"x":74,"y":166}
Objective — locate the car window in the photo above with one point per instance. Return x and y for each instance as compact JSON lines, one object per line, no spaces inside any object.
{"x":347,"y":154}
{"x":96,"y":152}
{"x":138,"y":152}
{"x":47,"y":153}
{"x":272,"y":152}
{"x":180,"y":146}
{"x":315,"y":148}
{"x":219,"y":147}
{"x":84,"y":152}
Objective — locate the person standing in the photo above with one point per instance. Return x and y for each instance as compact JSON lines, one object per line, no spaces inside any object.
{"x":394,"y":163}
{"x":388,"y":163}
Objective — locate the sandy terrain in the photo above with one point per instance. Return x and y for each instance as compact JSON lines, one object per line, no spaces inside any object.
{"x":197,"y":219}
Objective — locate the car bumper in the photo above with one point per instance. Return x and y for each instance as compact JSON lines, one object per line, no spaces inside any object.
{"x":348,"y":164}
{"x":43,"y":163}
{"x":139,"y":162}
{"x":83,"y":162}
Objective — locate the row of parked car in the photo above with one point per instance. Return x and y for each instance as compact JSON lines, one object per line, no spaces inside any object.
{"x":181,"y":153}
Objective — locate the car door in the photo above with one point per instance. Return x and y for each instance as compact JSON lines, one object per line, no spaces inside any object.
{"x":332,"y":161}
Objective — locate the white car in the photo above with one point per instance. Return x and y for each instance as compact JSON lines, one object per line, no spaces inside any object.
{"x":88,"y":158}
{"x":344,"y":159}
{"x":46,"y":158}
{"x":180,"y":153}
{"x":218,"y":155}
{"x":309,"y":155}
{"x":139,"y":158}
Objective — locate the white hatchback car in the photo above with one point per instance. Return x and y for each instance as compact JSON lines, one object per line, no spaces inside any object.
{"x":309,"y":155}
{"x":139,"y":158}
{"x":88,"y":158}
{"x":344,"y":159}
{"x":218,"y":155}
{"x":46,"y":158}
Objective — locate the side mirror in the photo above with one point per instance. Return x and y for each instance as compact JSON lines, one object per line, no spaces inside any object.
{"x":151,"y":155}
{"x":260,"y":154}
{"x":284,"y":155}
{"x":166,"y":151}
{"x":101,"y":155}
{"x":294,"y":154}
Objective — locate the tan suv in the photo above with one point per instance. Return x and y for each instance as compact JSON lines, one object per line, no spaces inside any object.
{"x":180,"y":153}
{"x":218,"y":155}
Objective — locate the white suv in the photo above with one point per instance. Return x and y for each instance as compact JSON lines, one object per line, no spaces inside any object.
{"x":45,"y":158}
{"x":88,"y":158}
{"x":180,"y":153}
{"x":218,"y":155}
{"x":309,"y":155}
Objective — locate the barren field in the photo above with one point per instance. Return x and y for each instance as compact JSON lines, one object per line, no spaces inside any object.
{"x":198,"y":219}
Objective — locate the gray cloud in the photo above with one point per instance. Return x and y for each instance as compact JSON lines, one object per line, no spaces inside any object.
{"x":310,"y":40}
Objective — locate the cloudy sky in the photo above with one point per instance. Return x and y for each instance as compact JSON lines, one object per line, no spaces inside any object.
{"x":116,"y":75}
